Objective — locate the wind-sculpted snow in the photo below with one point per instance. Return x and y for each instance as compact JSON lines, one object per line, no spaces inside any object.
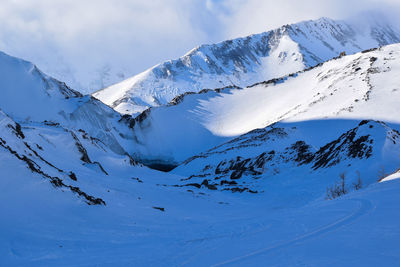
{"x":245,"y":61}
{"x":360,"y":86}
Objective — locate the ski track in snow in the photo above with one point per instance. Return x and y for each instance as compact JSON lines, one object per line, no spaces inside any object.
{"x":365,"y":206}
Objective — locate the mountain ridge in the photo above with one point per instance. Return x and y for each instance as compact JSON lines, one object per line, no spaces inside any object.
{"x":342,"y":87}
{"x":244,"y":61}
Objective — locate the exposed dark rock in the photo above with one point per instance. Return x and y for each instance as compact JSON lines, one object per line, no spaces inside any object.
{"x":17,"y":130}
{"x":225,"y":182}
{"x":346,"y":145}
{"x":209,"y":186}
{"x":72,"y":176}
{"x":81,"y":149}
{"x":132,"y":162}
{"x":360,"y":147}
{"x":101,"y":167}
{"x":236,"y":174}
{"x":237,"y":189}
{"x":178,"y":99}
{"x":303,"y":153}
{"x":363,"y":122}
{"x":50,"y":123}
{"x":56,"y":181}
{"x":369,"y":50}
{"x":128,"y":119}
{"x":212,"y":187}
{"x":143,"y":115}
{"x":137,"y":179}
{"x":41,"y":158}
{"x":90,"y":199}
{"x":159,"y":208}
{"x":193,"y":184}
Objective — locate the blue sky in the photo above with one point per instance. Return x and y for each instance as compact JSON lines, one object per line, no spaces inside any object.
{"x":86,"y":35}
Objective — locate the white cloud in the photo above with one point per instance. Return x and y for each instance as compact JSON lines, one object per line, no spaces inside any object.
{"x":260,"y":15}
{"x":85,"y":36}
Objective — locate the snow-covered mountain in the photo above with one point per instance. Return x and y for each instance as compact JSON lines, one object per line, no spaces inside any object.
{"x":256,"y":164}
{"x":245,"y":61}
{"x":30,"y":96}
{"x":55,"y":132}
{"x":361,"y":86}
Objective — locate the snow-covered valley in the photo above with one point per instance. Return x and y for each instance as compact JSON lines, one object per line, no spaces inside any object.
{"x":217,"y":228}
{"x":296,"y":165}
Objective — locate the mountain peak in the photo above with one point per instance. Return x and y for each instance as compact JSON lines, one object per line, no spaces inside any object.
{"x":244,"y":61}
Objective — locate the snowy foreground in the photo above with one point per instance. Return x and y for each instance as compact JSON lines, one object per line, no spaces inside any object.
{"x":214,"y":229}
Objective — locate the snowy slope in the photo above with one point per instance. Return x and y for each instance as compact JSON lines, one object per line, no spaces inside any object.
{"x":30,"y":96}
{"x":288,"y":152}
{"x":56,"y":154}
{"x":47,"y":222}
{"x":56,"y":134}
{"x":60,"y":151}
{"x":46,"y":227}
{"x":245,"y":61}
{"x":360,"y":86}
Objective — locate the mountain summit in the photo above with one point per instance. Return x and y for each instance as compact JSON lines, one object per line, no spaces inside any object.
{"x":245,"y":61}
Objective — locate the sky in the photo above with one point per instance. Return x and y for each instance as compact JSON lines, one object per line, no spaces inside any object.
{"x":80,"y":41}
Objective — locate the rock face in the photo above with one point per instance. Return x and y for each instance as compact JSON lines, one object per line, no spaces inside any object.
{"x":278,"y":151}
{"x":245,"y":61}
